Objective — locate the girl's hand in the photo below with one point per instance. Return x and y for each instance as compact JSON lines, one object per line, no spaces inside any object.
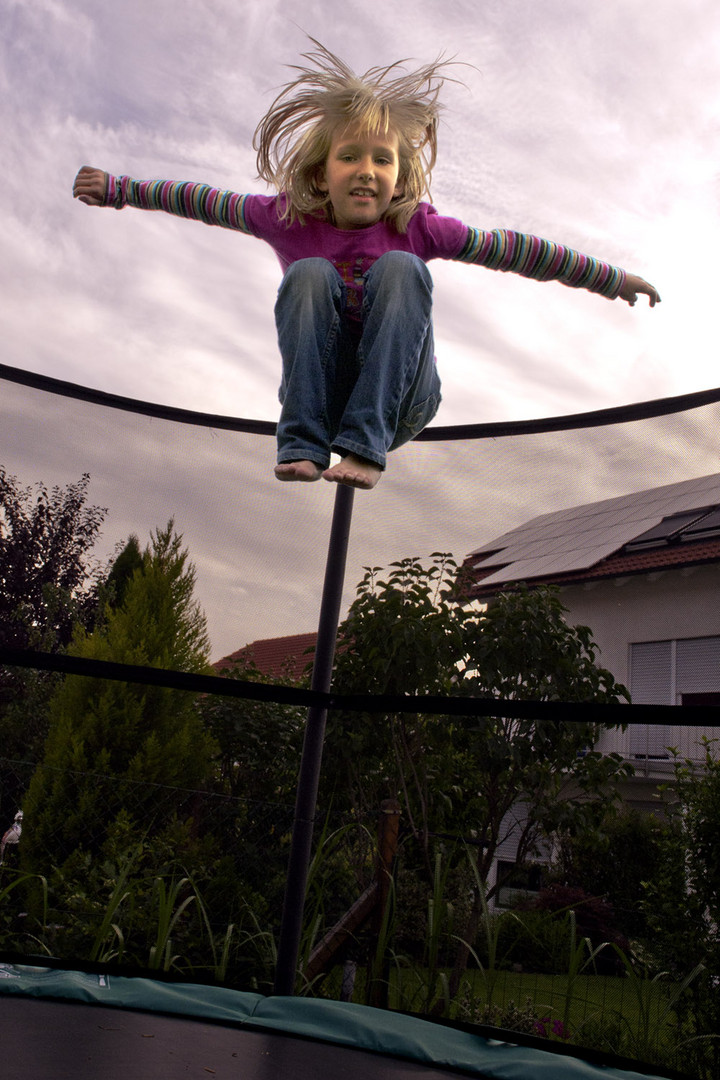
{"x":634,"y":285}
{"x":90,"y":185}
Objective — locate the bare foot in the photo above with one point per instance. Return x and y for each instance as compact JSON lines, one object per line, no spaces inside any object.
{"x":354,"y":471}
{"x":305,"y":471}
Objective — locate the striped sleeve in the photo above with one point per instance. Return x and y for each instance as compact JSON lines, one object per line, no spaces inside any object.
{"x":542,"y":260}
{"x":184,"y":199}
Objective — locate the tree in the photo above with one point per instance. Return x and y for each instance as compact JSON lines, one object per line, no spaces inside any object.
{"x":521,"y":648}
{"x":682,"y":901}
{"x":258,"y":754}
{"x":682,"y":904}
{"x":698,"y":794}
{"x":401,"y":635}
{"x":48,"y":584}
{"x":259,"y":742}
{"x":411,"y":633}
{"x":46,"y":579}
{"x":109,"y":741}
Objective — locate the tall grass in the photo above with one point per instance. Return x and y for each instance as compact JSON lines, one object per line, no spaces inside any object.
{"x":23,"y":882}
{"x":654,"y":1012}
{"x":101,"y":949}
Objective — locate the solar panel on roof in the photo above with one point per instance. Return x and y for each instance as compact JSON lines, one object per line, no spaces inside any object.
{"x":577,"y":538}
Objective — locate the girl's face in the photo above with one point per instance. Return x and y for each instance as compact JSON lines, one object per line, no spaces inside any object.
{"x":361,"y":176}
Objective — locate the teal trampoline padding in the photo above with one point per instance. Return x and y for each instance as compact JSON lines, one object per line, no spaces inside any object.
{"x":341,"y":1023}
{"x":183,"y":999}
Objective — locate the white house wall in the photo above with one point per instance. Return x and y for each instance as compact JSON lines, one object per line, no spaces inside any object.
{"x":660,"y":606}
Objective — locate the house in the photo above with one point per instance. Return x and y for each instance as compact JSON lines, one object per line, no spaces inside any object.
{"x":643,"y":572}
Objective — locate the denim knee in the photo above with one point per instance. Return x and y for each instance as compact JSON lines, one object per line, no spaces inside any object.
{"x":309,"y":277}
{"x":399,"y":268}
{"x":310,"y":300}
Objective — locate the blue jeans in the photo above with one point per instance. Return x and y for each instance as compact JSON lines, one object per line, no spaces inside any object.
{"x":349,"y":386}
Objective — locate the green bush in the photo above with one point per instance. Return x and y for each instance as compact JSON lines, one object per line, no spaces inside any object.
{"x":526,"y":941}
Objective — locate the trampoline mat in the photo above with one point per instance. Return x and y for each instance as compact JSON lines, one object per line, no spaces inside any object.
{"x":50,"y":1040}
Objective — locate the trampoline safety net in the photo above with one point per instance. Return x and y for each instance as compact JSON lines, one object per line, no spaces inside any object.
{"x":509,"y":825}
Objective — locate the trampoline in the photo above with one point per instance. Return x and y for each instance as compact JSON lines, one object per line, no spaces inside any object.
{"x":56,"y":1023}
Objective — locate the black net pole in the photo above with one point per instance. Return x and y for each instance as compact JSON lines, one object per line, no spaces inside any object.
{"x":309,"y":778}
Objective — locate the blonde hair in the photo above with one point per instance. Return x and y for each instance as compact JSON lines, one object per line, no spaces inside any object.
{"x":293,"y":138}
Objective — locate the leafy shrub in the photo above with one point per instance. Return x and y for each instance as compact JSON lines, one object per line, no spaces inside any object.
{"x":594,"y":919}
{"x":527,"y":941}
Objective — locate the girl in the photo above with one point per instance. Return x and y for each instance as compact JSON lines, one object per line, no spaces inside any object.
{"x":351,"y":159}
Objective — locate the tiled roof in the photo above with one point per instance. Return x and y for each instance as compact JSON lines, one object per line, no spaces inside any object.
{"x":632,"y":534}
{"x":274,"y":657}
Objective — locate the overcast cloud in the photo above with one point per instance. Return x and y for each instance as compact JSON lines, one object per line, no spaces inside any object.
{"x":595,"y":125}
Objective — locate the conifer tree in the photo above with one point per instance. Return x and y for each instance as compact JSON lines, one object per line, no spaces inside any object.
{"x":116,"y":746}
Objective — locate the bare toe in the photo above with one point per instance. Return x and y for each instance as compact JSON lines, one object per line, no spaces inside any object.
{"x":354,"y":472}
{"x":303,"y":471}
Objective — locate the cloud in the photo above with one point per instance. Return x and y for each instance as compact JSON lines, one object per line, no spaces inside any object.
{"x":260,"y":547}
{"x":590,"y":124}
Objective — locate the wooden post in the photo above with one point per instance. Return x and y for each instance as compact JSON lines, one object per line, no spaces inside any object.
{"x":388,"y":832}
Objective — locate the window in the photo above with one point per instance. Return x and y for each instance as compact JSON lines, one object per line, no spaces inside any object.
{"x":684,"y":672}
{"x":667,"y":530}
{"x":700,"y":699}
{"x":688,"y":525}
{"x":515,"y":882}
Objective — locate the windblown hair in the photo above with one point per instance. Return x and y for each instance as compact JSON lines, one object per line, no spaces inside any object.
{"x":293,"y":138}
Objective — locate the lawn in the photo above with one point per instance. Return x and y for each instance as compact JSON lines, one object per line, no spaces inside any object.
{"x":631,"y":1017}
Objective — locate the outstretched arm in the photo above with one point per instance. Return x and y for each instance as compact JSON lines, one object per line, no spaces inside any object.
{"x":544,"y":260}
{"x":198,"y":201}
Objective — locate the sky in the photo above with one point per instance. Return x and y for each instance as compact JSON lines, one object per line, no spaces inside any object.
{"x":593,"y":125}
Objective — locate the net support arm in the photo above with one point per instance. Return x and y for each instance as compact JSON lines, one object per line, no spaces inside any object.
{"x":311,"y":759}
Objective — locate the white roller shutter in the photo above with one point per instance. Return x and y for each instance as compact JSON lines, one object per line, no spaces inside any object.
{"x":651,"y":683}
{"x":698,"y":666}
{"x":661,"y":672}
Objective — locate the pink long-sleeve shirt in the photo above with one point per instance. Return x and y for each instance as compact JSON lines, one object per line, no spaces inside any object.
{"x":429,"y":235}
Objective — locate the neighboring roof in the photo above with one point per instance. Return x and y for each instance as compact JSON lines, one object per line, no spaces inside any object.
{"x":589,"y":541}
{"x":274,"y":657}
